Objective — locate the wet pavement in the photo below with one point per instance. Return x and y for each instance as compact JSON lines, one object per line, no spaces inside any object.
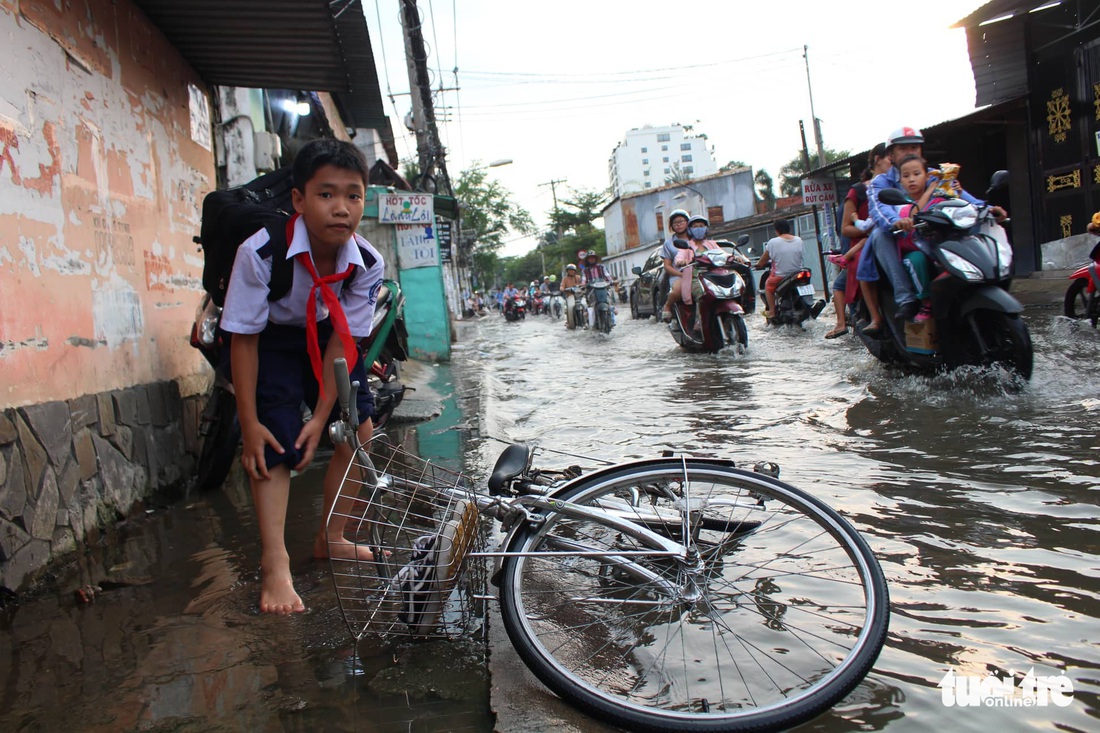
{"x":981,"y":503}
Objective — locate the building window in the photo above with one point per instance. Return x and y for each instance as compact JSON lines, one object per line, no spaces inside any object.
{"x":664,"y":160}
{"x":662,"y":137}
{"x":685,"y":146}
{"x":645,"y":150}
{"x":715,"y":215}
{"x":660,"y":222}
{"x":664,"y":147}
{"x":806,"y":224}
{"x":645,"y":161}
{"x":645,"y":173}
{"x":648,"y":184}
{"x":685,"y":158}
{"x":688,"y":170}
{"x":666,"y":171}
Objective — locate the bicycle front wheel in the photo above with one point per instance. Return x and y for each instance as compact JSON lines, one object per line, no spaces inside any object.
{"x":775,"y":612}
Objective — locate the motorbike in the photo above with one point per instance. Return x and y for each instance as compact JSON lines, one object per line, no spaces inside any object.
{"x":975,"y":321}
{"x":599,"y":297}
{"x":538,"y":304}
{"x":1083,"y":295}
{"x":556,"y":309}
{"x":580,"y":309}
{"x":219,"y":427}
{"x":720,"y":315}
{"x":742,"y":265}
{"x":794,"y":299}
{"x":515,"y":308}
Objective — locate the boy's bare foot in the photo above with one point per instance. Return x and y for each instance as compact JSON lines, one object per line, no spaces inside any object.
{"x":277,"y":594}
{"x":341,"y":549}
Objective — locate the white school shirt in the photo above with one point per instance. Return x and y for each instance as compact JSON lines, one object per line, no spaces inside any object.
{"x":247,"y":309}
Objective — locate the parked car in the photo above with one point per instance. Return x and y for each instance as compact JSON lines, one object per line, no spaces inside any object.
{"x":649,"y":290}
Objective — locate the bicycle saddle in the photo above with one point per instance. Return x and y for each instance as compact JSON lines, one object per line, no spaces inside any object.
{"x":511,"y":463}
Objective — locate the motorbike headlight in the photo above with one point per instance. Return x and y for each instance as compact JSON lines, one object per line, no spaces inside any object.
{"x":963,"y":215}
{"x":967,"y":269}
{"x":718,"y":259}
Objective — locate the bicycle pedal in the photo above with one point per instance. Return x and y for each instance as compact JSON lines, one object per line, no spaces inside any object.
{"x":767,"y":468}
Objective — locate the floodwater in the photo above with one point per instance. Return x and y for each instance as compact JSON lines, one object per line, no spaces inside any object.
{"x":980,"y":501}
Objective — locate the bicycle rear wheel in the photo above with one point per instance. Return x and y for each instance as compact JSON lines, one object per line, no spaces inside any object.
{"x":777,"y":611}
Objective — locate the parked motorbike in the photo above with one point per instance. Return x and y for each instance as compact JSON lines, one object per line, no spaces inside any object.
{"x":557,"y":305}
{"x":720,"y":315}
{"x":1083,"y":295}
{"x":599,"y":297}
{"x":794,"y":299}
{"x":515,"y":309}
{"x":219,"y":427}
{"x":975,"y":321}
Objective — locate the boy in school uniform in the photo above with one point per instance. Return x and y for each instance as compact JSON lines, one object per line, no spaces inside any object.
{"x":282,"y":351}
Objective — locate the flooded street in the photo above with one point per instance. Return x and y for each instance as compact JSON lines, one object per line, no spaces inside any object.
{"x":981,"y":504}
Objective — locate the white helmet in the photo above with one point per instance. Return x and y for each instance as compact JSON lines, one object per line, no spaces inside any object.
{"x":905,"y":136}
{"x":676,"y":213}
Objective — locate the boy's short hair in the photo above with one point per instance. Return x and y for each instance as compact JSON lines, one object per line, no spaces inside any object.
{"x":317,"y":154}
{"x":782,"y":226}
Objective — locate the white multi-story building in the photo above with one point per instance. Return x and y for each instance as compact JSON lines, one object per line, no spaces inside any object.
{"x":648,"y":156}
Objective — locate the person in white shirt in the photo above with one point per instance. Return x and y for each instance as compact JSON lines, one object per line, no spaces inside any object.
{"x":784,"y":253}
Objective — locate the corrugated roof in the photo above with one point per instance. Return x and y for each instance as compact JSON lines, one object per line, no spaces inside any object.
{"x":997,"y":8}
{"x":313,"y":45}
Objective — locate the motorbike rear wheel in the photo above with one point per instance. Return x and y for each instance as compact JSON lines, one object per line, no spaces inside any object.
{"x":222,"y":435}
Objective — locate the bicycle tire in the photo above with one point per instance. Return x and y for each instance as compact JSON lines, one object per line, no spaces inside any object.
{"x":570,"y":618}
{"x":219,"y":445}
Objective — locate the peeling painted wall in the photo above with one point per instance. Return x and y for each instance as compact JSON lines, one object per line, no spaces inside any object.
{"x":102,"y":173}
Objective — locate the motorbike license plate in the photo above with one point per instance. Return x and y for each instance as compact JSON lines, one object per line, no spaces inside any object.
{"x":805,"y":289}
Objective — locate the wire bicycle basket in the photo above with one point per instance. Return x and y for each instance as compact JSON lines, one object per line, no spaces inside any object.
{"x":420,"y":522}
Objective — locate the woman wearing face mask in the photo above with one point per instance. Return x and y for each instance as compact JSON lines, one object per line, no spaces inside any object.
{"x":697,"y":238}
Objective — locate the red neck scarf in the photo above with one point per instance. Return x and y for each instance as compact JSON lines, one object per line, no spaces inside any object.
{"x":336,"y":312}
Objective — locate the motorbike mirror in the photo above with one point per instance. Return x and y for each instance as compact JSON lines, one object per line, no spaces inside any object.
{"x":743,"y":240}
{"x":636,"y":270}
{"x":680,"y":244}
{"x":999,"y":180}
{"x":893,"y":197}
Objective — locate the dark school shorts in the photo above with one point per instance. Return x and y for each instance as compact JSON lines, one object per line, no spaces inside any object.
{"x":285,"y":380}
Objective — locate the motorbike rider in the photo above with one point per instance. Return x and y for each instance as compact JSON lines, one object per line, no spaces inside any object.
{"x":594,"y":271}
{"x":510,"y":293}
{"x":882,"y":246}
{"x":678,"y":222}
{"x":783,"y":253}
{"x":572,"y":279}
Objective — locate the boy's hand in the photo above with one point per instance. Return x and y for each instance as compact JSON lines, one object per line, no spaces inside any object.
{"x":252,"y":451}
{"x":309,"y":438}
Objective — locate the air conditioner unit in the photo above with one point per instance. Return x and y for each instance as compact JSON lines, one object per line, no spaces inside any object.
{"x":267,"y":149}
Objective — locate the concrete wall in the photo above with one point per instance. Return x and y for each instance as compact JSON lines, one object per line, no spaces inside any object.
{"x":105,"y":155}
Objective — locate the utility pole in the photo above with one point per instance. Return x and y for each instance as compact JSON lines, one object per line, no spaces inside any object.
{"x":830,"y":218}
{"x":552,"y":183}
{"x":428,"y":147}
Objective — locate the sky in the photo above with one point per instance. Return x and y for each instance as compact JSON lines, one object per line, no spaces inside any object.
{"x":555,"y":86}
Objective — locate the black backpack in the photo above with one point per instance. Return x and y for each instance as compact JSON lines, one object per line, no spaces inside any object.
{"x":233,"y":215}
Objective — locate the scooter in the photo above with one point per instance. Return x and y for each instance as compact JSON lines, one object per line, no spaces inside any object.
{"x":721,"y":320}
{"x":1083,"y":295}
{"x":794,"y":299}
{"x":975,"y":321}
{"x":599,"y":296}
{"x":742,"y":265}
{"x":515,"y":309}
{"x":219,"y":427}
{"x":557,"y":305}
{"x":580,"y":308}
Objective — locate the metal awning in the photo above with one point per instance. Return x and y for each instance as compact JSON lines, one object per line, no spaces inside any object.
{"x":312,"y":45}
